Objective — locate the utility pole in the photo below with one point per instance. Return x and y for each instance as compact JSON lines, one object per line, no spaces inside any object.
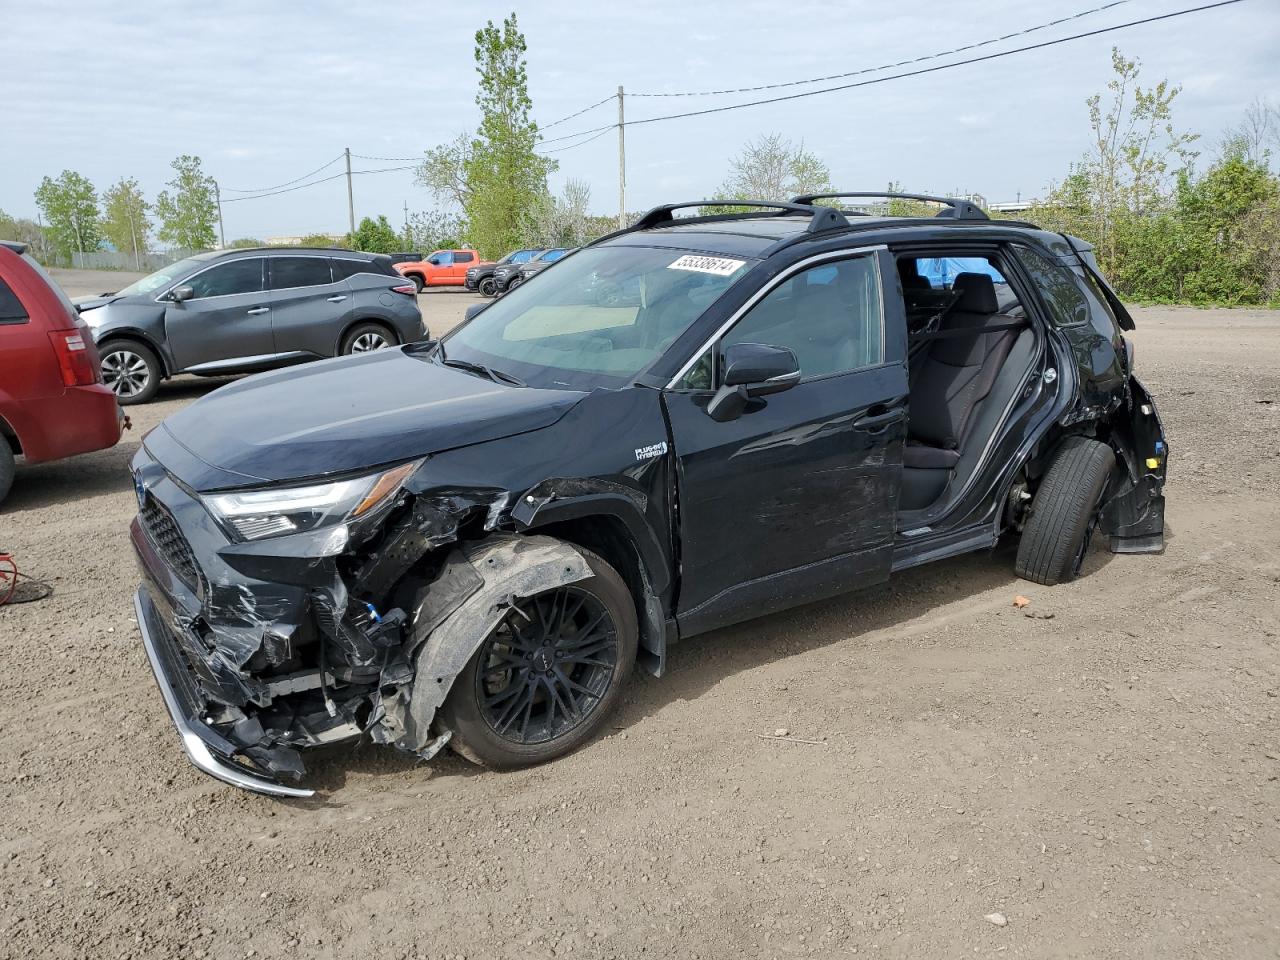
{"x":408,"y":241}
{"x":351,"y":203}
{"x":622,"y":164}
{"x":222,"y":235}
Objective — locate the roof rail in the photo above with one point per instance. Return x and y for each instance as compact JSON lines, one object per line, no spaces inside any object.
{"x":15,"y":246}
{"x":956,"y":209}
{"x":822,"y":218}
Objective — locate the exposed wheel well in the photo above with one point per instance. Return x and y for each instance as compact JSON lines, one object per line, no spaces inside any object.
{"x":609,"y":538}
{"x":11,"y":437}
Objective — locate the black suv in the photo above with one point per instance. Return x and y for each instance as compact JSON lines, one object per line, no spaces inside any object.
{"x":508,"y":276}
{"x":480,"y":278}
{"x":238,"y":311}
{"x":686,"y":424}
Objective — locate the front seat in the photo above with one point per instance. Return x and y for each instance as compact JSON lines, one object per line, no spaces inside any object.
{"x":948,"y":384}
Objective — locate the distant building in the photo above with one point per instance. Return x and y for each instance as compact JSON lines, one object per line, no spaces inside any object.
{"x":1013,"y":206}
{"x":295,"y":241}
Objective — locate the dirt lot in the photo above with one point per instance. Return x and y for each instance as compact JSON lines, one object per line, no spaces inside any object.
{"x":1103,"y":772}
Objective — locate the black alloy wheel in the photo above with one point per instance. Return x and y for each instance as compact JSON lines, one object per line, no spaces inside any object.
{"x":547,"y":666}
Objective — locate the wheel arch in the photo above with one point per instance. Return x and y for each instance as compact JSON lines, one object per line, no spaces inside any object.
{"x":134,"y":333}
{"x":357,"y":321}
{"x":612,"y":526}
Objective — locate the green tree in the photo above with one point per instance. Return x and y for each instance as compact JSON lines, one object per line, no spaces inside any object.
{"x":125,"y":220}
{"x":325,"y":239}
{"x":504,"y":177}
{"x":70,"y":206}
{"x":244,"y":243}
{"x":771,"y":167}
{"x":562,"y":221}
{"x":24,"y":230}
{"x":375,"y":236}
{"x":188,"y":215}
{"x":435,"y":230}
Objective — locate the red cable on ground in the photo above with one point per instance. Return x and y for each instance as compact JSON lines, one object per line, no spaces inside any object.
{"x":8,"y":577}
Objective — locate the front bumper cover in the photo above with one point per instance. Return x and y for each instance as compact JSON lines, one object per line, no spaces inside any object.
{"x":205,"y":747}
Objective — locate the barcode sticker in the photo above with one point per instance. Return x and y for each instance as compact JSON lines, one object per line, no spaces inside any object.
{"x":720,"y":266}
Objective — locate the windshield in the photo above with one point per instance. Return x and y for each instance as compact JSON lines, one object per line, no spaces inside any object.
{"x":597,"y":319}
{"x":164,"y":277}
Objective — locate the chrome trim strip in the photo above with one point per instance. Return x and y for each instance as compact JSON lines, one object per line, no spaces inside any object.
{"x":774,"y":283}
{"x":197,"y":750}
{"x":232,"y":362}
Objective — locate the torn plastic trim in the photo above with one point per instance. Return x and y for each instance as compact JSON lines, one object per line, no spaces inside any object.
{"x":485,"y":579}
{"x":193,"y":739}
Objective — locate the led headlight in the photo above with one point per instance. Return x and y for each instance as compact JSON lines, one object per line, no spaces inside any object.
{"x":279,"y":511}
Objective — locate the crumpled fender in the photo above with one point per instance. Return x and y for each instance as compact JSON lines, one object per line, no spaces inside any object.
{"x":481,"y":581}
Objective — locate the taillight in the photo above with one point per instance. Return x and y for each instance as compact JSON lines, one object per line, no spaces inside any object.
{"x":75,"y":358}
{"x":406,"y":288}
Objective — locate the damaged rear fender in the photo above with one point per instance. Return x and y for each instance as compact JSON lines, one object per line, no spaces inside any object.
{"x":454,"y":614}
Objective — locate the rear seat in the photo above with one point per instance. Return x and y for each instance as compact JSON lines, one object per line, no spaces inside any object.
{"x":949,"y":381}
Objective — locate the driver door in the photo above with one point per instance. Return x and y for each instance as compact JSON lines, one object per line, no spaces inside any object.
{"x":795,"y":499}
{"x":227,"y":318}
{"x":441,"y":268}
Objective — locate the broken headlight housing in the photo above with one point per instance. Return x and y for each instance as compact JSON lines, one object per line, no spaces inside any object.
{"x":281,"y":511}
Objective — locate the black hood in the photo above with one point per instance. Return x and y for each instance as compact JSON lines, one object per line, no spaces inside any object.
{"x":345,"y":415}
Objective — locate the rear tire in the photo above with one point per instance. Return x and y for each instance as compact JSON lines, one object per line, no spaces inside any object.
{"x":417,"y":283}
{"x":7,"y":467}
{"x":519,"y":670}
{"x":132,"y":370}
{"x":1064,"y":512}
{"x":364,"y":337}
{"x":488,"y":287}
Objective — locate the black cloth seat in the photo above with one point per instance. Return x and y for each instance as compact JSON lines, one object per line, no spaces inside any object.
{"x":949,"y":380}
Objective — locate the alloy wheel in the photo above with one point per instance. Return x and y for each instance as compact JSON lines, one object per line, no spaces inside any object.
{"x":368,"y":341}
{"x":125,"y":372}
{"x":547,"y":666}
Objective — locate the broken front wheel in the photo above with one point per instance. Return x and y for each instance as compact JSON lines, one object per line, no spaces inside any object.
{"x":548,"y":676}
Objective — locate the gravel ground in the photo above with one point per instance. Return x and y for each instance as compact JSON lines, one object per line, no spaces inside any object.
{"x":1099,"y":769}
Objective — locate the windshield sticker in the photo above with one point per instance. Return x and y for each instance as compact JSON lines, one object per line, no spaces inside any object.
{"x":651,"y":451}
{"x":720,"y":266}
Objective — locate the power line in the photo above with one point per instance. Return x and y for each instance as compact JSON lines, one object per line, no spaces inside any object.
{"x":362,"y":156}
{"x":891,"y":66}
{"x":287,"y":182}
{"x":909,"y":73}
{"x":313,"y":183}
{"x":582,"y":143}
{"x":600,"y":103}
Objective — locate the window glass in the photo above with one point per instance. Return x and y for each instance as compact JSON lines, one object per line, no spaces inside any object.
{"x":344,"y":268}
{"x":1110,"y":326}
{"x":1066,"y":302}
{"x":11,"y":308}
{"x":829,"y":315}
{"x":289,"y":272}
{"x":941,"y":272}
{"x":463,"y":256}
{"x":597,"y":320}
{"x":163,"y":278}
{"x":552,"y":255}
{"x":237,"y":276}
{"x":443,"y":258}
{"x":521,"y":256}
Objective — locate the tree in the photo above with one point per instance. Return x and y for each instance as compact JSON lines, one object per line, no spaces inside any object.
{"x":244,"y":243}
{"x":324,"y":240}
{"x":773,"y":168}
{"x":444,"y":171}
{"x":504,"y":177}
{"x":188,"y":216}
{"x":24,"y":230}
{"x":1255,"y":135}
{"x":435,"y":230}
{"x":70,"y":205}
{"x":562,"y":221}
{"x":124,"y":218}
{"x":375,"y":236}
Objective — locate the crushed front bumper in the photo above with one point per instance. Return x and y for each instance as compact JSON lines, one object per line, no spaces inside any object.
{"x":204,"y":746}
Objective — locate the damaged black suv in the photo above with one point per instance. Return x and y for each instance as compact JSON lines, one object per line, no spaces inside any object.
{"x":686,"y":424}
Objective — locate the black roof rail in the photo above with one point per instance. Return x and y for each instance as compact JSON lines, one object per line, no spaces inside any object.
{"x":15,"y":246}
{"x":956,"y":209}
{"x":821,"y":218}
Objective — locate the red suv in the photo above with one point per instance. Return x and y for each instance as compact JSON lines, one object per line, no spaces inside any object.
{"x":52,"y":400}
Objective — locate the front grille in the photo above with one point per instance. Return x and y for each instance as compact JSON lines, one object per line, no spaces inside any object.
{"x":172,"y":546}
{"x":177,"y":668}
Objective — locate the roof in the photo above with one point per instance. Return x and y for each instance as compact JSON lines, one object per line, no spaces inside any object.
{"x":18,"y":248}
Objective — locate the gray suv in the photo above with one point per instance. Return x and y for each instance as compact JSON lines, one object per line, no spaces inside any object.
{"x":241,"y":311}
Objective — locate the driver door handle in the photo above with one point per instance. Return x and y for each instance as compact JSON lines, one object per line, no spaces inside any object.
{"x":257,"y":310}
{"x":338,"y":299}
{"x":878,"y":421}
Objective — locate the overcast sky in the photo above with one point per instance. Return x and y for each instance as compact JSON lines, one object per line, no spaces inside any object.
{"x":266,"y":92}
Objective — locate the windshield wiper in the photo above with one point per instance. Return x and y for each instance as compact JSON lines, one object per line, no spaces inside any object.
{"x":497,"y":376}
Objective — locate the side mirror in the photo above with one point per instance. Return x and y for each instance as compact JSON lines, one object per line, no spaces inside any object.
{"x":472,"y":310}
{"x":752,"y":370}
{"x":180,"y":293}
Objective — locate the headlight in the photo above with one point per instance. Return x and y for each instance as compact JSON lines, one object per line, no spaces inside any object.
{"x":259,"y":514}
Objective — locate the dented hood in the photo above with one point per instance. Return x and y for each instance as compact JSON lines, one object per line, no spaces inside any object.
{"x":344,"y":415}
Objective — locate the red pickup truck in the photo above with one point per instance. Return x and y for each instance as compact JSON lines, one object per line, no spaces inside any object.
{"x":444,"y":268}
